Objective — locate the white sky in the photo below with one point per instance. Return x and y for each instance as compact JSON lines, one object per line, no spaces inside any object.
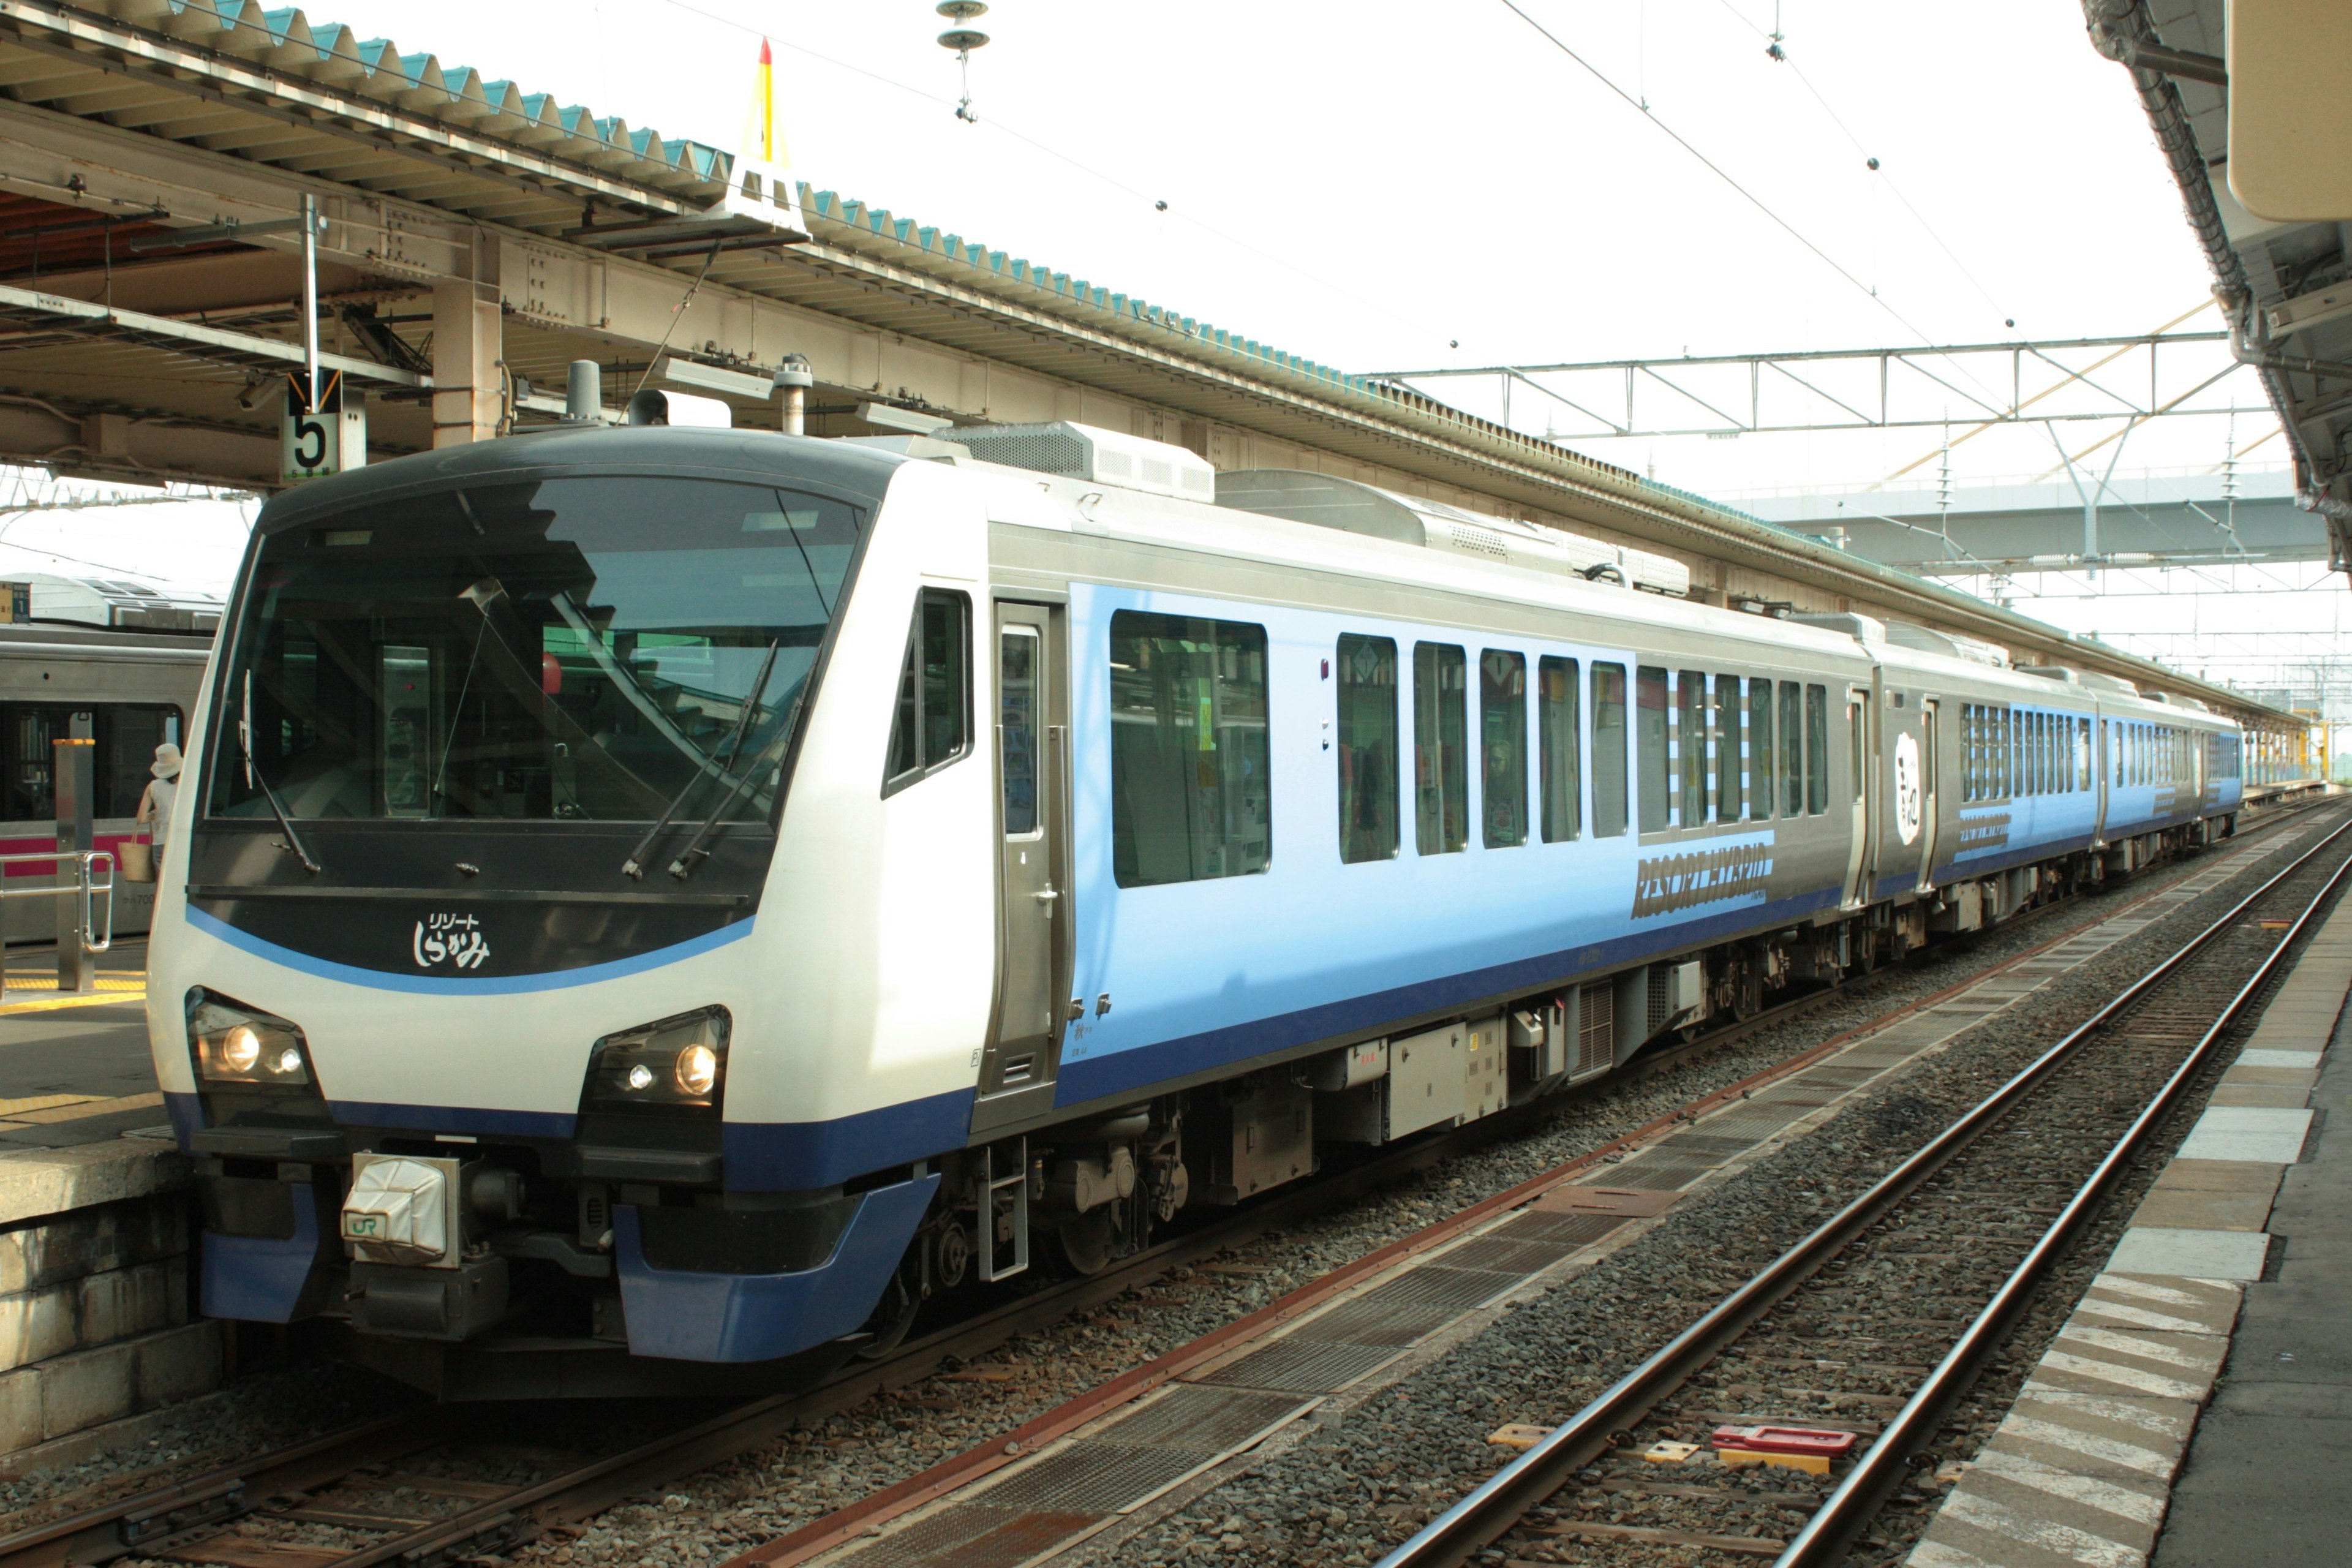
{"x":1373,"y":183}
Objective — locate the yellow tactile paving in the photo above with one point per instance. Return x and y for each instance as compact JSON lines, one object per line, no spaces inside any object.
{"x":24,"y":1103}
{"x":91,"y":999}
{"x":88,"y":1107}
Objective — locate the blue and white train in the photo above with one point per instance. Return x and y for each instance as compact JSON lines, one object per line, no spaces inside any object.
{"x":652,"y":896}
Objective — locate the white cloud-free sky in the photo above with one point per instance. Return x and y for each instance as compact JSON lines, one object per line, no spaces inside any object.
{"x":1373,"y":185}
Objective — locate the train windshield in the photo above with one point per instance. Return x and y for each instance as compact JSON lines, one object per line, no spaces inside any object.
{"x":599,"y":649}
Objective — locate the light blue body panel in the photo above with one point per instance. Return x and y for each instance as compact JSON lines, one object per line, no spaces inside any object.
{"x":1209,"y":974}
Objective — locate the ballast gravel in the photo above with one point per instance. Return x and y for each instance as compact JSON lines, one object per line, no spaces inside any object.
{"x":1338,"y":1499}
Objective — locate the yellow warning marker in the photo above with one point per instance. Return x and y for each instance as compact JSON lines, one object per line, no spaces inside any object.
{"x":1517,"y":1435}
{"x":1811,"y":1464}
{"x":1670,"y":1453}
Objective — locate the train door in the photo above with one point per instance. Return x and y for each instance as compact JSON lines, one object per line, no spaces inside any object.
{"x":1034,"y":918}
{"x":2103,"y":738}
{"x":1861,"y":765}
{"x":1930,"y":787}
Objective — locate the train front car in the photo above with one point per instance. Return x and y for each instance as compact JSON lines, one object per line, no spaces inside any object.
{"x":519,"y":976}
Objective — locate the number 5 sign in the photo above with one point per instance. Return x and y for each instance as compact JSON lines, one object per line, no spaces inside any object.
{"x":321,"y":435}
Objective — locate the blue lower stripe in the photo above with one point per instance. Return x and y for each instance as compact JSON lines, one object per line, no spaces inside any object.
{"x":441,"y":985}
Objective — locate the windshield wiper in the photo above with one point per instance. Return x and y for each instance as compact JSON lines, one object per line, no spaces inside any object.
{"x":252,"y":779}
{"x":694,"y":854}
{"x":634,"y":866}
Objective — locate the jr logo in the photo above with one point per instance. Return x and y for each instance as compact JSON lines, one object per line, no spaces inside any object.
{"x":361,"y":1225}
{"x":454,"y":938}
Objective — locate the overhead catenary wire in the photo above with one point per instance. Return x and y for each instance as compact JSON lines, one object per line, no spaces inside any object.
{"x":1157,"y":203}
{"x":1892,"y":184}
{"x":1717,"y":170}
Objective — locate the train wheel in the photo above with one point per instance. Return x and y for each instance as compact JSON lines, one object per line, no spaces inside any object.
{"x":1085,"y":1240}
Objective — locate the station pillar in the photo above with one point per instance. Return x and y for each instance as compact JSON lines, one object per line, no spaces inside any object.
{"x":467,"y":344}
{"x":74,"y":776}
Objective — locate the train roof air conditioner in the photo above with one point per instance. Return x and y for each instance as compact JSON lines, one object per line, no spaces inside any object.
{"x":1078,"y":451}
{"x":1927,"y":639}
{"x":1301,"y":497}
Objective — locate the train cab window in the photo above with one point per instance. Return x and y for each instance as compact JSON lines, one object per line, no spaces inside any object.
{"x":1555,"y":745}
{"x":1503,"y":748}
{"x":1608,"y":750}
{"x":933,"y":726}
{"x":1649,"y":738}
{"x":1690,"y":746}
{"x":1368,"y":749}
{"x":1792,"y":750}
{"x":1760,"y":749}
{"x":1188,"y":774}
{"x":1441,"y":773}
{"x":1730,"y":800}
{"x":1817,"y":750}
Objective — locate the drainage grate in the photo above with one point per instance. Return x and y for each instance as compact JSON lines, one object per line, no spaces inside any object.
{"x":1092,"y":1475}
{"x":971,"y":1536}
{"x":1572,"y":1229}
{"x":1439,"y":1286}
{"x":1304,"y":1366}
{"x":1714,"y":1141}
{"x":1660,"y":1175}
{"x":1506,"y":1255}
{"x":1366,"y":1322}
{"x":1201,"y":1418}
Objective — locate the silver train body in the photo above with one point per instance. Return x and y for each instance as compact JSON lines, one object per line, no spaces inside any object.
{"x":660,"y":896}
{"x":134,"y":690}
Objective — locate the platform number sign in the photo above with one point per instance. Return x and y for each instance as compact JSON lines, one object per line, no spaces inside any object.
{"x":320,"y":434}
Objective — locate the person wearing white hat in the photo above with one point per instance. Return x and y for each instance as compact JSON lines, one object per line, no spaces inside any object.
{"x":155,"y":806}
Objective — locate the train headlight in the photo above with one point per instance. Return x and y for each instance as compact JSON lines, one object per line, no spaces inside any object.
{"x":238,"y":1045}
{"x":678,"y":1064}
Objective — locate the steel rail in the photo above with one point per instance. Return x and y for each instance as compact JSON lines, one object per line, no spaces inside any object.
{"x":1496,"y":1505}
{"x":1850,"y":1509}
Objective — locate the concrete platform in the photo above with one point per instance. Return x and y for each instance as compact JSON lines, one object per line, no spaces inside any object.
{"x":75,"y":1068}
{"x":98,"y":1319}
{"x":2196,"y":1411}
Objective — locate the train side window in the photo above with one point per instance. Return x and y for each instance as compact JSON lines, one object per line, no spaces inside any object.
{"x":1967,"y":751}
{"x":1729,"y":796}
{"x":933,"y":724}
{"x":1690,"y":744}
{"x":1817,"y":750}
{"x":1760,"y":788}
{"x":1368,"y":749}
{"x":1557,"y":724}
{"x":1016,"y":727}
{"x":1503,"y":754}
{"x":1440,"y":730}
{"x":1608,"y":750}
{"x":1188,"y":777}
{"x":2005,"y":754}
{"x":1649,"y":738}
{"x":1792,"y":750}
{"x":1857,"y":725}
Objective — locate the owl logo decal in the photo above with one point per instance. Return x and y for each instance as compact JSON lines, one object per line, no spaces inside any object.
{"x":1909,"y":787}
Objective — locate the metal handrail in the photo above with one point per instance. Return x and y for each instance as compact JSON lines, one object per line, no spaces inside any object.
{"x":83,"y":885}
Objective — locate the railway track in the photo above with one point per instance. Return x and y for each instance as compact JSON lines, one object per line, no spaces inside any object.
{"x":408,"y":1489}
{"x":1879,"y":1322}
